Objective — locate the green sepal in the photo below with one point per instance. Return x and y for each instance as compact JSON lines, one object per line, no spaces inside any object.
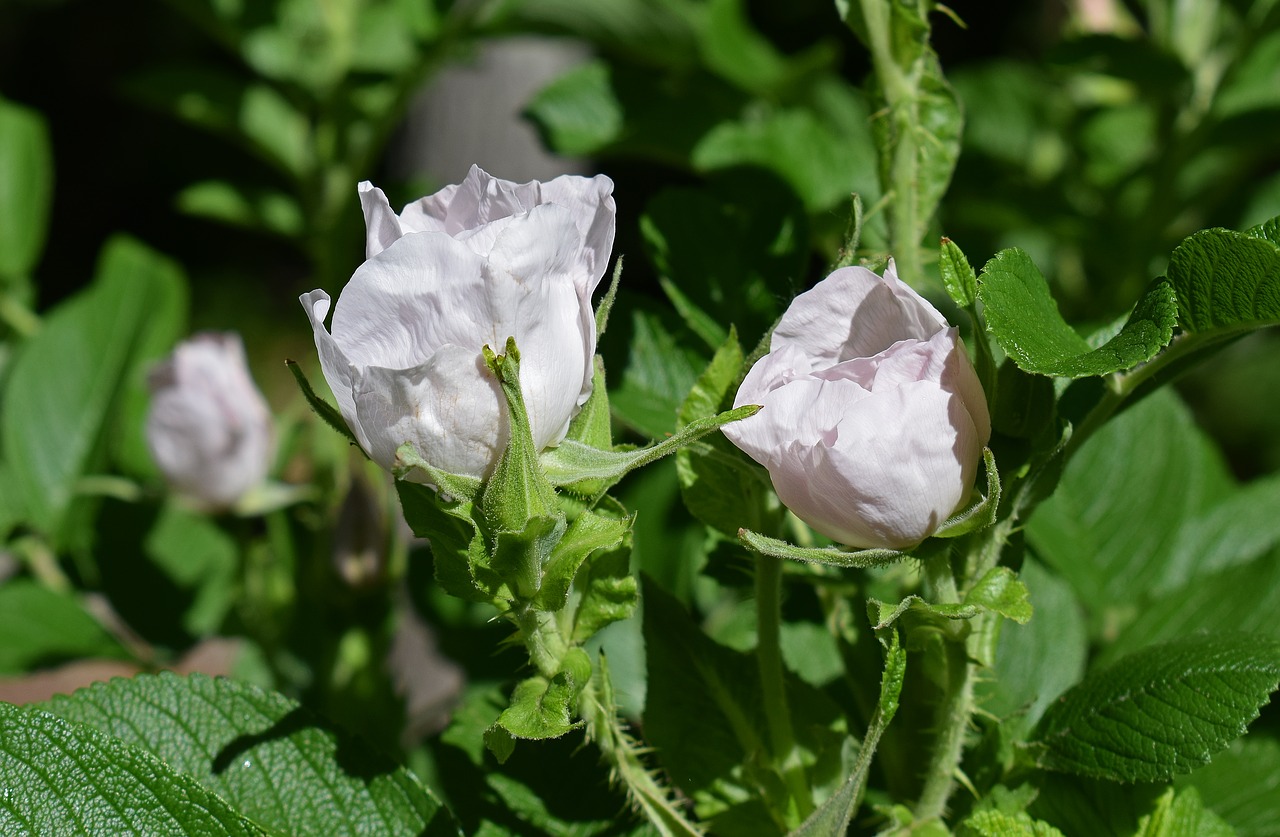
{"x":327,"y":412}
{"x":590,"y":535}
{"x":573,"y":464}
{"x":831,"y":556}
{"x":918,"y":618}
{"x":982,"y":513}
{"x":606,"y":302}
{"x":518,"y":505}
{"x":444,"y":513}
{"x":593,"y":426}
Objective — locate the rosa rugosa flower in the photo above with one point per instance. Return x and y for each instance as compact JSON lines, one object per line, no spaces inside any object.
{"x":873,"y":419}
{"x":464,"y":268}
{"x":208,"y":426}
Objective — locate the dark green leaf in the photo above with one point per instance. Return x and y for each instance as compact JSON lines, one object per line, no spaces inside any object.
{"x":198,"y":556}
{"x":26,"y":189}
{"x":285,"y":768}
{"x":42,"y":628}
{"x":67,"y":379}
{"x":1226,"y":281}
{"x":1161,"y":711}
{"x":457,"y":545}
{"x":66,"y":778}
{"x":719,"y":484}
{"x":1024,"y":319}
{"x":659,"y":374}
{"x":609,"y":595}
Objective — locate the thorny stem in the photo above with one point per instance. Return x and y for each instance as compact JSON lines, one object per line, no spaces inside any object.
{"x":786,"y":755}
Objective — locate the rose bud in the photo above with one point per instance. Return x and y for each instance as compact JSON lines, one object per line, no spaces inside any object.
{"x":873,"y":419}
{"x":208,"y":427}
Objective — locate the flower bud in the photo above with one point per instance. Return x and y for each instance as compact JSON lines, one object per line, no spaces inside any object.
{"x":208,"y":427}
{"x":873,"y":419}
{"x":465,"y":268}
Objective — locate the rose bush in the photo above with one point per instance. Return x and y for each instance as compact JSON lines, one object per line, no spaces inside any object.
{"x":873,"y":419}
{"x":467,"y":267}
{"x":208,"y":426}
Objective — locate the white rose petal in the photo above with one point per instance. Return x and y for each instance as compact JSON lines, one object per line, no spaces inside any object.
{"x":465,"y":268}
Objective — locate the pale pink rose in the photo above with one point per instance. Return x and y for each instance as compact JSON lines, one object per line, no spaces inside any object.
{"x":208,"y":426}
{"x":873,"y":420}
{"x":464,"y":268}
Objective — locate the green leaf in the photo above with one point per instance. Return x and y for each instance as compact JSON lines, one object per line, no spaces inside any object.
{"x":200,"y":557}
{"x":592,"y":425}
{"x":834,"y":815}
{"x":252,"y":113}
{"x":917,"y":613}
{"x":540,"y":709}
{"x":1244,"y":597}
{"x":720,"y":485}
{"x":1000,"y":824}
{"x":957,"y":274}
{"x":1085,"y":806}
{"x":285,"y":768}
{"x":253,"y":208}
{"x":65,"y":778}
{"x":659,"y":373}
{"x":610,"y":594}
{"x":1242,"y":784}
{"x":42,"y":628}
{"x":1115,"y":518}
{"x":1234,"y":531}
{"x":831,"y":556}
{"x":1182,"y":814}
{"x":1161,"y":711}
{"x":65,"y":382}
{"x":26,"y":189}
{"x":703,"y":716}
{"x":1024,"y":319}
{"x":1040,"y":660}
{"x":1000,"y":591}
{"x":578,"y":114}
{"x":1226,"y":282}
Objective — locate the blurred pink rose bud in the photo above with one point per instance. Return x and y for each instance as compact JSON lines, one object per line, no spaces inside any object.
{"x":467,"y":267}
{"x":873,"y":419}
{"x":208,"y":428}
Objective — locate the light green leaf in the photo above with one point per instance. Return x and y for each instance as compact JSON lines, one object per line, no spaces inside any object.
{"x":1001,"y":592}
{"x":831,"y":556}
{"x":26,"y":190}
{"x":286,"y":769}
{"x":1114,"y":520}
{"x":610,"y":594}
{"x":1038,"y":661}
{"x":883,"y":615}
{"x":1161,"y":711}
{"x":66,"y":778}
{"x":540,"y":709}
{"x":199,"y":557}
{"x":457,"y":545}
{"x":658,"y":375}
{"x":1182,"y":814}
{"x":42,"y":628}
{"x":957,"y":274}
{"x":1000,"y":824}
{"x":578,"y":114}
{"x":257,"y":209}
{"x":1242,"y":784}
{"x":65,"y":381}
{"x":1024,"y":319}
{"x":1226,"y":282}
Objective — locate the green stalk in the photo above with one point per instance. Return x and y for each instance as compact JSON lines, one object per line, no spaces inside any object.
{"x":786,"y":756}
{"x":953,"y":720}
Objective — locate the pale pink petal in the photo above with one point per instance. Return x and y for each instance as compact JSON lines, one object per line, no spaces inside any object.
{"x":337,"y":369}
{"x":382,"y":227}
